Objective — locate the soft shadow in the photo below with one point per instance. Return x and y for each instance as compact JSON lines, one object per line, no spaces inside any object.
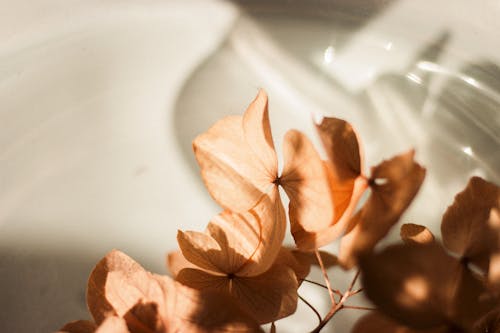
{"x":40,"y":292}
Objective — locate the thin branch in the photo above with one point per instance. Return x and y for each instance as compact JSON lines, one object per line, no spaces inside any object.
{"x":311,"y":307}
{"x":325,"y":276}
{"x":359,"y":307}
{"x":353,"y":282}
{"x":336,"y":291}
{"x":357,"y":291}
{"x":336,"y":307}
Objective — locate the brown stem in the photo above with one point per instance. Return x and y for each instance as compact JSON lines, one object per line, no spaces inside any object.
{"x":311,"y":307}
{"x":357,"y":291}
{"x":353,"y":282}
{"x":336,"y":291}
{"x":325,"y":276}
{"x":336,"y":307}
{"x":359,"y":307}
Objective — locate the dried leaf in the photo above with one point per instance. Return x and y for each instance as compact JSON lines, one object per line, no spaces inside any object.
{"x":395,"y":184}
{"x":465,"y":229}
{"x":305,"y":180}
{"x":376,"y":322}
{"x":414,"y":233}
{"x":267,"y":297}
{"x":79,"y":326}
{"x":421,"y":286}
{"x":117,"y":283}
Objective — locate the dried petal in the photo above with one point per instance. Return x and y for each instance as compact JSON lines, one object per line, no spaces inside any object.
{"x":117,"y":283}
{"x":207,"y":312}
{"x":309,"y":241}
{"x":267,"y":297}
{"x":176,"y":261}
{"x":415,"y":233}
{"x":490,"y":323}
{"x":243,"y":244}
{"x":145,"y":318}
{"x":395,"y":184}
{"x":343,"y":149}
{"x":255,"y":236}
{"x":237,"y":153}
{"x":202,"y":250}
{"x":465,"y":228}
{"x":257,"y":131}
{"x":79,"y":326}
{"x":329,"y":260}
{"x":376,"y":322}
{"x":296,"y":260}
{"x":305,"y":180}
{"x":113,"y":325}
{"x":345,"y":165}
{"x":421,"y":286}
{"x":494,"y":265}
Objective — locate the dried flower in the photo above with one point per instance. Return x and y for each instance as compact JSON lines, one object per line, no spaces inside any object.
{"x":239,"y":165}
{"x":236,"y":255}
{"x":123,"y":297}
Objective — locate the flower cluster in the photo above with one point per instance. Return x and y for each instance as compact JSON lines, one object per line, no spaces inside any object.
{"x":237,"y":275}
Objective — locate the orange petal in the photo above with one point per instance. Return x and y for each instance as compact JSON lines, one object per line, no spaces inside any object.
{"x":267,"y":297}
{"x":423,"y":287}
{"x":237,"y":158}
{"x":117,"y":283}
{"x":345,"y":165}
{"x":202,"y":250}
{"x":244,"y":244}
{"x":494,"y":262}
{"x":394,"y":184}
{"x":490,"y":322}
{"x":465,"y":227}
{"x":306,"y":182}
{"x":79,"y":326}
{"x":113,"y":325}
{"x":297,"y":260}
{"x":376,"y":322}
{"x":329,"y":260}
{"x":309,"y":241}
{"x":176,"y":261}
{"x":207,"y":311}
{"x":343,"y":149}
{"x":258,"y":134}
{"x":271,"y":218}
{"x":145,"y":318}
{"x":415,"y":233}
